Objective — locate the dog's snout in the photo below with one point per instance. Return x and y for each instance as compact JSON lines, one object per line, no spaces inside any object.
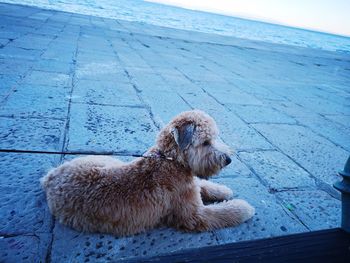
{"x":227,"y":160}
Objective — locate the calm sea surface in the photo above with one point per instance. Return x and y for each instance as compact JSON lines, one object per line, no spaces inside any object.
{"x":162,"y":15}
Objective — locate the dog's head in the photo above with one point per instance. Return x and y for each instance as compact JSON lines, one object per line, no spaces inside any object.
{"x":192,"y":139}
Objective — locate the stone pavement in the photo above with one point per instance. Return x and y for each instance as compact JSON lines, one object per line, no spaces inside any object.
{"x":70,"y":82}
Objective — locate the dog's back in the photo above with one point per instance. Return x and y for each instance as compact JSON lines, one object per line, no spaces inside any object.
{"x":102,"y":194}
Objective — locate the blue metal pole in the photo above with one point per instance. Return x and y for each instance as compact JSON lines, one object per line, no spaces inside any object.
{"x":344,"y":188}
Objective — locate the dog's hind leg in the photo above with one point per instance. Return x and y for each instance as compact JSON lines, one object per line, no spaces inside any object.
{"x":225,"y":214}
{"x":213,"y":192}
{"x":193,"y":216}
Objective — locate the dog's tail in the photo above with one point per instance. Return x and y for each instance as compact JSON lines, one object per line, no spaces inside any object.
{"x":43,"y":182}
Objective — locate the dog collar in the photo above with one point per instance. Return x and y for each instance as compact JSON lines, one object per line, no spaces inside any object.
{"x":157,"y":154}
{"x":161,"y":155}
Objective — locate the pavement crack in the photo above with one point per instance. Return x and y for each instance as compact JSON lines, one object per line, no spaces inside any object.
{"x":49,"y":249}
{"x":288,"y":212}
{"x":3,"y":235}
{"x":65,"y":141}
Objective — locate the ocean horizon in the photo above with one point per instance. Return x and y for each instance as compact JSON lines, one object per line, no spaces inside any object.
{"x":199,"y":21}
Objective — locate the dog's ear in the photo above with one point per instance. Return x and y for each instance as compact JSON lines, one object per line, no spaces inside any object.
{"x":183,"y":135}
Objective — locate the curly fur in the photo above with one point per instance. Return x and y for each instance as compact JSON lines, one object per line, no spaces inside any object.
{"x":103,"y":194}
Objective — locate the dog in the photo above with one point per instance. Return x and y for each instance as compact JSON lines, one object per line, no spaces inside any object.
{"x":162,"y":188}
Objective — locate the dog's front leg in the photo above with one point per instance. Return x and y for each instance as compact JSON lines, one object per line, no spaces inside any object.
{"x":213,"y":192}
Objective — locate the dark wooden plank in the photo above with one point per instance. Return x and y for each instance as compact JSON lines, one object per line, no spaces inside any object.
{"x":331,"y":245}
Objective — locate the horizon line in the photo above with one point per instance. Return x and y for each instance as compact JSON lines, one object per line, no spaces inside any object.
{"x":250,"y":18}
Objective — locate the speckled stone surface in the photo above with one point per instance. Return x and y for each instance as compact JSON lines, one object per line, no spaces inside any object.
{"x":313,"y":212}
{"x":108,"y":128}
{"x":23,"y":206}
{"x":37,"y":101}
{"x":271,"y":217}
{"x":277,"y":170}
{"x":314,"y":153}
{"x":105,"y":92}
{"x":24,"y":248}
{"x":102,"y":247}
{"x":81,"y":83}
{"x":31,"y":133}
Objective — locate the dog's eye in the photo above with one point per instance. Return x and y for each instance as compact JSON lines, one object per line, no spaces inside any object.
{"x":206,"y":143}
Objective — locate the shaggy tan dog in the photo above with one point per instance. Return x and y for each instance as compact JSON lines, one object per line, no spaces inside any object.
{"x":103,"y":194}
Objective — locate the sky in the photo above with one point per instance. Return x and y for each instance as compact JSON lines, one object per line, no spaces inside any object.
{"x":332,"y":16}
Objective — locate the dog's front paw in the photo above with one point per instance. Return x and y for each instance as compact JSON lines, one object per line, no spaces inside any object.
{"x":241,"y":210}
{"x":212,"y":192}
{"x":223,"y":193}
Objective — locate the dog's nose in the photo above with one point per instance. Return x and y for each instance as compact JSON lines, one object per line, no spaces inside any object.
{"x":228,"y":160}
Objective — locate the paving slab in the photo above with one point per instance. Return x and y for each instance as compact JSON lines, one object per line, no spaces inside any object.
{"x":62,"y":54}
{"x":105,"y":92}
{"x":314,"y":153}
{"x":19,"y":53}
{"x":31,"y":133}
{"x":198,"y":73}
{"x":48,"y":79}
{"x":93,"y":54}
{"x":277,"y":170}
{"x":15,"y":67}
{"x":109,"y":128}
{"x":69,"y":245}
{"x":228,"y":94}
{"x":343,"y":120}
{"x":271,"y":218}
{"x":165,"y":240}
{"x":146,"y":79}
{"x":29,"y":100}
{"x":51,"y":65}
{"x":101,"y":70}
{"x":8,"y":33}
{"x":316,"y":209}
{"x":7,"y":82}
{"x":24,"y":248}
{"x":129,"y":58}
{"x":164,"y":104}
{"x":178,"y":82}
{"x":32,"y":41}
{"x":323,"y":106}
{"x":261,"y":114}
{"x":4,"y":41}
{"x":23,"y":205}
{"x":332,"y":131}
{"x":199,"y":99}
{"x":292,"y":109}
{"x":40,"y":16}
{"x":257,"y":89}
{"x":237,"y":134}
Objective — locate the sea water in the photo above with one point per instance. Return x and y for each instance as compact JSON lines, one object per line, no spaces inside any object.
{"x":174,"y":17}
